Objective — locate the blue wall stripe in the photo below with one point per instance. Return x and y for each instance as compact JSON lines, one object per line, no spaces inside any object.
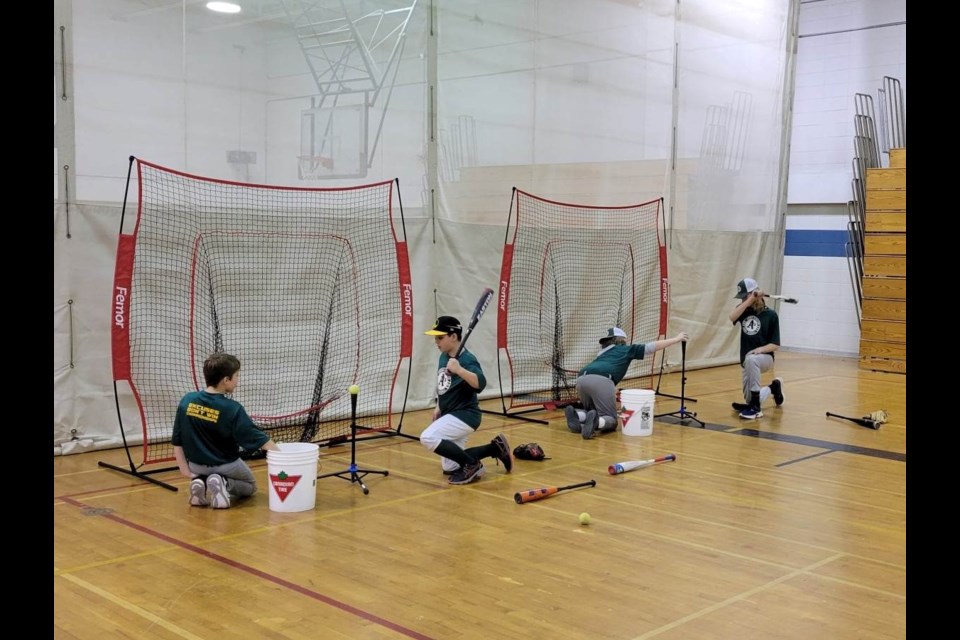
{"x":827,"y":244}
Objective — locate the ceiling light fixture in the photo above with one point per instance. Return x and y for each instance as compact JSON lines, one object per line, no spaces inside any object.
{"x":224,"y":7}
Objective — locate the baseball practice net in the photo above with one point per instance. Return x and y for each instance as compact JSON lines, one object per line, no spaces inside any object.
{"x":569,"y":273}
{"x":309,"y":287}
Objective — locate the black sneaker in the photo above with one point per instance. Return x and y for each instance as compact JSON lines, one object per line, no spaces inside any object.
{"x":740,"y":406}
{"x":449,"y":472}
{"x":503,"y":452}
{"x":589,"y":424}
{"x":573,"y":420}
{"x":776,"y":388}
{"x":751,"y":413}
{"x":467,"y":474}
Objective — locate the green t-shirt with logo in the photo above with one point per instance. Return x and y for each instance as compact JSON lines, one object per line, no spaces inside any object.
{"x":757,"y":330}
{"x":454,"y":395}
{"x":211,"y":428}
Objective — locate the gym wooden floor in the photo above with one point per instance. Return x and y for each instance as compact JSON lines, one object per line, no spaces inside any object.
{"x":791,"y":526}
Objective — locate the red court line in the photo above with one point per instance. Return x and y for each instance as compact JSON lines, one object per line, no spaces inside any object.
{"x":365,"y":615}
{"x":67,"y":497}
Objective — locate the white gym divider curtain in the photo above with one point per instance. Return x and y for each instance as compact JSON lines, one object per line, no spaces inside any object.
{"x":598,"y":102}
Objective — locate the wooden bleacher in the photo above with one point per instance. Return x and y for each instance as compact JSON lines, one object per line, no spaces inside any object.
{"x":883,"y":326}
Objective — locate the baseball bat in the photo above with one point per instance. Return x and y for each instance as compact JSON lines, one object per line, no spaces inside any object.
{"x":782,"y":298}
{"x":482,"y":303}
{"x":545,"y":492}
{"x":865,"y":421}
{"x":630,"y":465}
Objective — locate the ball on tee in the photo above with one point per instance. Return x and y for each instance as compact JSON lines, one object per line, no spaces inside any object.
{"x":354,"y":389}
{"x":585,"y":518}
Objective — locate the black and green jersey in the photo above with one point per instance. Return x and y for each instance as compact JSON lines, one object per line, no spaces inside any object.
{"x":614,"y":361}
{"x":757,"y":330}
{"x":455,"y":395}
{"x":211,"y":428}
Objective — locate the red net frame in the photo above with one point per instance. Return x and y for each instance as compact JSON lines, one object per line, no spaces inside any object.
{"x":569,"y":272}
{"x":309,"y":287}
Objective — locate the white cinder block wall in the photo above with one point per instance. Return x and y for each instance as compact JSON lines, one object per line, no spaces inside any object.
{"x":846,"y":47}
{"x":816,"y":272}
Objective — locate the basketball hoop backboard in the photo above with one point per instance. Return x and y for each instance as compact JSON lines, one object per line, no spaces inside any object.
{"x":333,"y":142}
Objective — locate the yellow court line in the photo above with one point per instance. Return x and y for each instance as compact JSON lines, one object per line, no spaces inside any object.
{"x":118,"y":560}
{"x":479,"y":489}
{"x":80,"y":472}
{"x":166,"y":547}
{"x":143,"y":613}
{"x":723,"y":552}
{"x":740,"y":597}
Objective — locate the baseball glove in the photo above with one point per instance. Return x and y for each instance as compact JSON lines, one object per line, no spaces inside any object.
{"x":529,"y":451}
{"x":878,"y":417}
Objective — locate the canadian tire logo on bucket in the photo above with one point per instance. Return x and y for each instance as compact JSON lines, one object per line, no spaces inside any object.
{"x":626,"y":414}
{"x":283,"y":484}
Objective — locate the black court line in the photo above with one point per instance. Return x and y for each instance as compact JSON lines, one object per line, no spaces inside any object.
{"x":830,"y":447}
{"x":804,"y":458}
{"x":826,"y":444}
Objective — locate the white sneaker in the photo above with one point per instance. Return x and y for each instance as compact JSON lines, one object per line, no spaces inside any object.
{"x":219,"y":496}
{"x":198,"y":493}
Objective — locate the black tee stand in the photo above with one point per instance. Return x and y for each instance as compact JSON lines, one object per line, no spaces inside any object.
{"x":682,"y":416}
{"x":354,"y":474}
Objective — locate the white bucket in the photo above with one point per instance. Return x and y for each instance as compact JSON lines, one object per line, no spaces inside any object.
{"x":292,"y":476}
{"x":637,"y":412}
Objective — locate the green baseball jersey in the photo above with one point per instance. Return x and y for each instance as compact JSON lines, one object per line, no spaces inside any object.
{"x":614,"y":361}
{"x":757,"y":330}
{"x":211,"y":428}
{"x":455,"y":395}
